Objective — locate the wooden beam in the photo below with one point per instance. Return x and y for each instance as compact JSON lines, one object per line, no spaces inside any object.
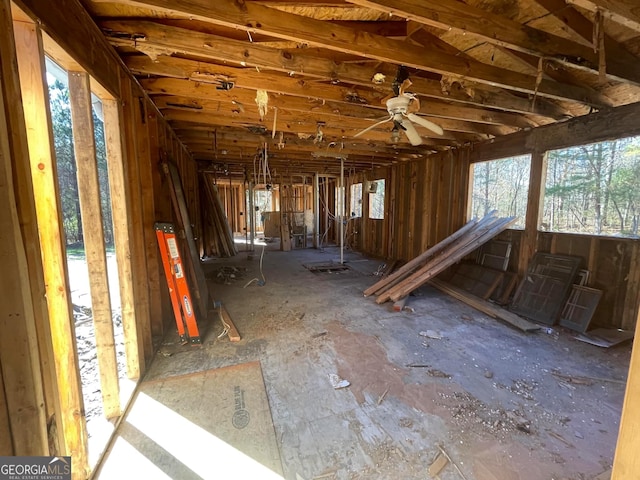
{"x":178,"y":93}
{"x":347,"y":40}
{"x":23,"y":398}
{"x":84,"y":41}
{"x":302,"y":85}
{"x":535,"y":202}
{"x":251,"y":79}
{"x":25,"y":204}
{"x":626,"y":462}
{"x":43,"y":170}
{"x":500,"y":30}
{"x":94,"y":245}
{"x":123,"y":233}
{"x":624,"y":12}
{"x":608,"y":124}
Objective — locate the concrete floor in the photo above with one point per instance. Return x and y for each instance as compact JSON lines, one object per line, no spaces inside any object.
{"x":484,"y":391}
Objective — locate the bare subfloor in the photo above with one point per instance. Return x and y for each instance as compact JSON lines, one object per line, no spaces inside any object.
{"x":484,"y":392}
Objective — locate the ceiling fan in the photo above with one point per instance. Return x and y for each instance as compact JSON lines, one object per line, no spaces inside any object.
{"x":401,"y":108}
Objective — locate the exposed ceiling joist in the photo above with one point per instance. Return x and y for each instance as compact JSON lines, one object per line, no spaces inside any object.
{"x":258,"y":18}
{"x":624,"y":12}
{"x":301,"y":68}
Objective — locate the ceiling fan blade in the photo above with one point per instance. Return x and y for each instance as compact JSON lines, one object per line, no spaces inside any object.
{"x":423,"y":122}
{"x":411,"y":132}
{"x":386,"y":119}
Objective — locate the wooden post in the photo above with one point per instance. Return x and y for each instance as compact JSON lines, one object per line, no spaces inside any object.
{"x":537,"y":179}
{"x":131,"y":108}
{"x":35,"y":98}
{"x":22,"y":379}
{"x":122,"y":233}
{"x":91,"y":210}
{"x":626,"y":462}
{"x":146,"y":165}
{"x":26,"y":208}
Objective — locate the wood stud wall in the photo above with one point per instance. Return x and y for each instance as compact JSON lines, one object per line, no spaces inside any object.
{"x":425,"y":200}
{"x":39,"y":368}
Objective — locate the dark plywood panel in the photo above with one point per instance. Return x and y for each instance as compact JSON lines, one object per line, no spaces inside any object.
{"x":545,"y":286}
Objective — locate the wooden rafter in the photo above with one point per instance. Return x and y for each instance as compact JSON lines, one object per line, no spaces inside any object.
{"x":360,"y":91}
{"x":258,"y":18}
{"x":499,"y":30}
{"x":624,"y":12}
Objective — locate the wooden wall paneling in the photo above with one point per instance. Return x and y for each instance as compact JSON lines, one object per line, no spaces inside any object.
{"x":95,"y":250}
{"x":632,"y":297}
{"x":535,"y":198}
{"x":391,"y":251}
{"x":415,"y":217}
{"x":592,"y":260}
{"x":434,"y":193}
{"x":22,"y":378}
{"x":131,"y":110}
{"x":425,"y":206}
{"x":401,"y":215}
{"x":25,"y":204}
{"x":442,"y":204}
{"x":156,"y":138}
{"x":146,"y":167}
{"x":123,"y":233}
{"x":626,"y":462}
{"x":41,"y":155}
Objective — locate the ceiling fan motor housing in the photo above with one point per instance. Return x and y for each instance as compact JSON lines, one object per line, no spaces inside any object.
{"x":398,"y":104}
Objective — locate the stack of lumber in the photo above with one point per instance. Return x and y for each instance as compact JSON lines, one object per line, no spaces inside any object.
{"x":217,"y":232}
{"x":436,"y":259}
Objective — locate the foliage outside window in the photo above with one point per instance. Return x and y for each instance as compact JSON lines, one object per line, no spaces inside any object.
{"x":66,"y":162}
{"x":356,"y":200}
{"x":376,"y":201}
{"x":594,"y":189}
{"x":501,"y":185}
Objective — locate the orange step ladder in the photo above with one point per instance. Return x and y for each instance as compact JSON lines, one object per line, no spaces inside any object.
{"x":176,"y":281}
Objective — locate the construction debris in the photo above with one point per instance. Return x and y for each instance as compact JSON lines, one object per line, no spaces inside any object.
{"x":337,"y":382}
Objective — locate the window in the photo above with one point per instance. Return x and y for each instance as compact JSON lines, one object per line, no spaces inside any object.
{"x":594,"y":189}
{"x":376,"y":201}
{"x":501,"y":185}
{"x":356,"y":200}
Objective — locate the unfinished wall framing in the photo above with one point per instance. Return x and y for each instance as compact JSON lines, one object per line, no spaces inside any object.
{"x":43,"y":340}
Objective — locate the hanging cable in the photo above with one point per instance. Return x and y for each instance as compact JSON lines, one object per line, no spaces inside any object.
{"x":261,"y":283}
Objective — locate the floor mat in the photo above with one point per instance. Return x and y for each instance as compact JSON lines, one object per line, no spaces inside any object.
{"x":210,"y":424}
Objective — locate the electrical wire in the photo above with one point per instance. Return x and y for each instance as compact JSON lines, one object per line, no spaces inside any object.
{"x":263,"y":282}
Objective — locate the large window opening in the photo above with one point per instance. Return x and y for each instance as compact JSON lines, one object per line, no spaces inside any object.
{"x":356,"y":200}
{"x":501,"y":185}
{"x":98,"y":427}
{"x":594,"y":189}
{"x":376,"y":199}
